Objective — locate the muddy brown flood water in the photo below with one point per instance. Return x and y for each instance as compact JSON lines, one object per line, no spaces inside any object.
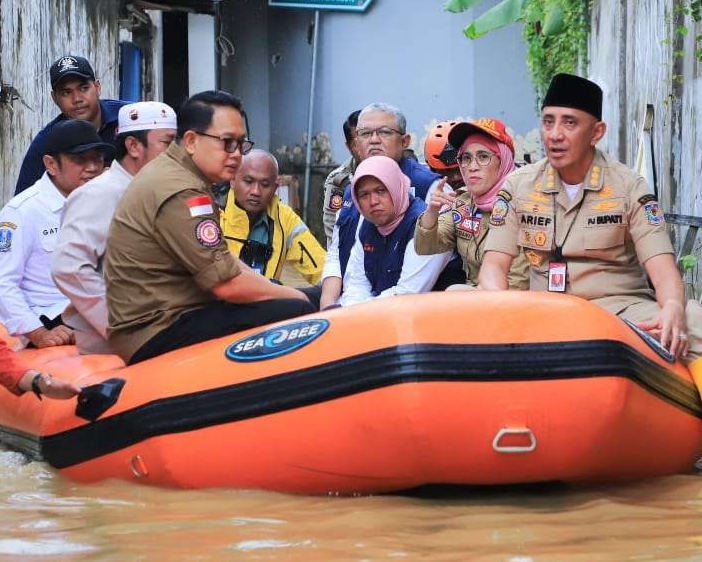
{"x":45,"y":517}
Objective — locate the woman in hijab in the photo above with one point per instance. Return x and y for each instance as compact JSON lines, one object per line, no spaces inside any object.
{"x":18,"y":377}
{"x":486,"y":158}
{"x":383,"y":261}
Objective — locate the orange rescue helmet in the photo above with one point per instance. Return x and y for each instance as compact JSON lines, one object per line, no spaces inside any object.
{"x":438,"y":152}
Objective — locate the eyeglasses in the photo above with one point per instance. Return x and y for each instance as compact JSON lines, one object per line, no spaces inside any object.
{"x":481,"y":158}
{"x":231,"y":145}
{"x":383,"y":133}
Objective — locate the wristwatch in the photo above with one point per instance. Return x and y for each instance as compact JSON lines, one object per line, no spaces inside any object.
{"x":35,"y":383}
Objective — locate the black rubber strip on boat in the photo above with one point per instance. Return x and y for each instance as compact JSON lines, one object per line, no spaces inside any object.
{"x":354,"y":375}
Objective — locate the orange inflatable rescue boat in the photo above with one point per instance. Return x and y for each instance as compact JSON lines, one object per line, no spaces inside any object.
{"x":457,"y":388}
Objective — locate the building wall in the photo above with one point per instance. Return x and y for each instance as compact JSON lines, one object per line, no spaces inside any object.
{"x":246,"y":74}
{"x":419,"y":61}
{"x":639,"y":60}
{"x":632,"y":48}
{"x":32,"y":35}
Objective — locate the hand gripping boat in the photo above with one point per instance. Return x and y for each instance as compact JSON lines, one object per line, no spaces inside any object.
{"x":460,"y":388}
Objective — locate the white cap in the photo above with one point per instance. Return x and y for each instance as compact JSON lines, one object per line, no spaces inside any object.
{"x":144,"y":116}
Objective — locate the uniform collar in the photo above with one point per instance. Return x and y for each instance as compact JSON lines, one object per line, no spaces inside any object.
{"x":551,"y":181}
{"x":49,"y":193}
{"x":178,"y":154}
{"x":117,"y":168}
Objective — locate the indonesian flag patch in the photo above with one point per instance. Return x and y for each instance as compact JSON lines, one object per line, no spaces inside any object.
{"x":201,"y":205}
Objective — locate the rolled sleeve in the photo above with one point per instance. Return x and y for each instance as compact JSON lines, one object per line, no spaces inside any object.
{"x":441,"y":238}
{"x":504,"y":227}
{"x":196,"y":241}
{"x":647,"y":225}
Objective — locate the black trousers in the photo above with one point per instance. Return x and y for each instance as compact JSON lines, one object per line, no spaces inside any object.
{"x":219,"y":319}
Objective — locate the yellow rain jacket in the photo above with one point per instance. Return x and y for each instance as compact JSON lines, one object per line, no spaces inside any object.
{"x":291,"y":239}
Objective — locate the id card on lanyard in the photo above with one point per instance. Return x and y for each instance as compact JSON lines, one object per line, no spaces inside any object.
{"x":557,"y":273}
{"x":558,"y":268}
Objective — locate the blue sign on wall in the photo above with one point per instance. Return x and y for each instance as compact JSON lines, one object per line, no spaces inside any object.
{"x":348,"y":5}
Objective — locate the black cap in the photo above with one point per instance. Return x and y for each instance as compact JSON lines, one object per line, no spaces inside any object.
{"x":74,"y":136}
{"x":568,"y":90}
{"x":70,"y":65}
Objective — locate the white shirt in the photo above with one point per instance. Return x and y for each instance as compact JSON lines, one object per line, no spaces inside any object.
{"x":418,"y":275}
{"x":77,"y":263}
{"x":571,"y":190}
{"x":332,"y":263}
{"x":29,"y":230}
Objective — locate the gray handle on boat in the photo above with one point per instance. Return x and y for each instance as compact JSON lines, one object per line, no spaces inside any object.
{"x":514,"y":448}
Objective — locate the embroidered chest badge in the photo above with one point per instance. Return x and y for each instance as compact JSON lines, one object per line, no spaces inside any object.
{"x":605,"y":206}
{"x":535,"y":258}
{"x":469,"y":220}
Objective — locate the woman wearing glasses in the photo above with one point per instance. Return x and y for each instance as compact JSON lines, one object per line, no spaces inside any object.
{"x":486,"y":158}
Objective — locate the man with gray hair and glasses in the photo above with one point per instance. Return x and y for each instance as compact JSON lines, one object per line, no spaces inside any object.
{"x":381,"y":131}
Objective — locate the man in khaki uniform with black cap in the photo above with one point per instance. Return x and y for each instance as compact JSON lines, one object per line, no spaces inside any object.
{"x":591,"y":227}
{"x":171,"y":280}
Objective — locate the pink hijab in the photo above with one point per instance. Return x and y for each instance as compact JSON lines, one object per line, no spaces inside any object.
{"x":389,"y":174}
{"x":487,"y":199}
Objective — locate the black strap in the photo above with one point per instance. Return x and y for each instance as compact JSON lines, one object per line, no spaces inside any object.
{"x":35,"y":384}
{"x":51,"y":323}
{"x":558,"y":253}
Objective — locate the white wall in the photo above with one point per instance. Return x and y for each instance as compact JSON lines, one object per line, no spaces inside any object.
{"x":201,"y":53}
{"x":418,"y":60}
{"x":245,"y":24}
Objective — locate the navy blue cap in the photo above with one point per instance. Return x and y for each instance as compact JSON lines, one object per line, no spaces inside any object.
{"x":74,"y":136}
{"x":70,"y":65}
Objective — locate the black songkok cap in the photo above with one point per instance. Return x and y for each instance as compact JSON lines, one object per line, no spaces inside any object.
{"x":567,"y":90}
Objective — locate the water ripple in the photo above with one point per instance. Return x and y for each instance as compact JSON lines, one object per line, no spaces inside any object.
{"x":246,"y":546}
{"x":50,"y":547}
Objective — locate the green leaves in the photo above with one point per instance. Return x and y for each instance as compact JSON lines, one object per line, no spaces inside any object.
{"x":688,"y":262}
{"x":458,"y":6}
{"x":554,"y":21}
{"x":504,"y":13}
{"x":556,"y":32}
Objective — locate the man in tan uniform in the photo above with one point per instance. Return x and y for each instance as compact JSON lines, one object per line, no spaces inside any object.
{"x":591,"y":227}
{"x":167,"y":266}
{"x":339,"y":178}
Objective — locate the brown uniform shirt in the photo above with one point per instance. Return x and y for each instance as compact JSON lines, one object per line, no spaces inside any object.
{"x":464,"y":228}
{"x":165,"y":251}
{"x":334,"y":186}
{"x":611,"y":227}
